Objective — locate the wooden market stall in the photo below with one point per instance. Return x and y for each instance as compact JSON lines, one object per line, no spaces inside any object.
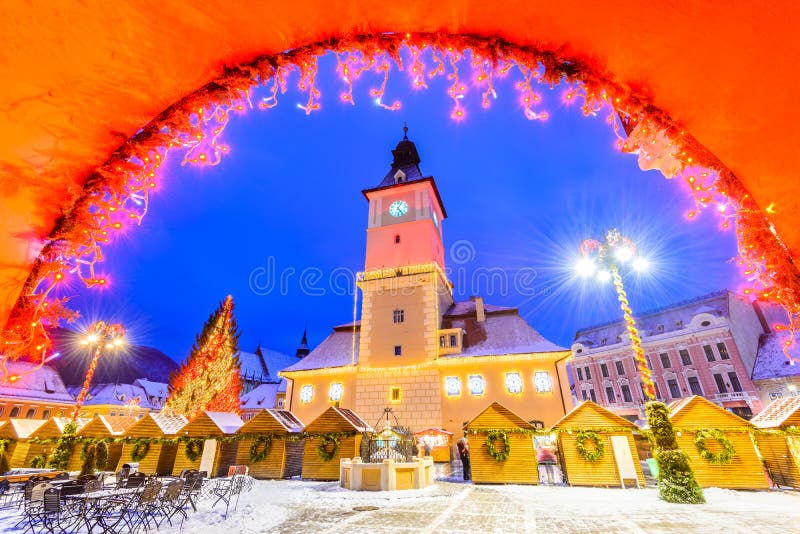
{"x":50,"y":431}
{"x":203,"y":447}
{"x":16,"y":433}
{"x":272,"y":430}
{"x":597,"y":447}
{"x":489,"y":429}
{"x":440,"y":441}
{"x":101,"y":427}
{"x":143,"y":446}
{"x":321,"y":454}
{"x":724,"y":434}
{"x":781,"y":450}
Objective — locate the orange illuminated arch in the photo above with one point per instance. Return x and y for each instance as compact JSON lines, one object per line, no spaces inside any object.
{"x":116,"y":193}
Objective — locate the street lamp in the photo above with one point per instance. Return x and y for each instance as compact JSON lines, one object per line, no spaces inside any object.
{"x":101,"y":335}
{"x":603,"y":261}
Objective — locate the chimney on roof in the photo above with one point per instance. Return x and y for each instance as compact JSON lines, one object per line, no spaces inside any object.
{"x":480,"y":313}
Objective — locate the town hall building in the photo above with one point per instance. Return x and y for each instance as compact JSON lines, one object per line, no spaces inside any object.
{"x":436,"y":362}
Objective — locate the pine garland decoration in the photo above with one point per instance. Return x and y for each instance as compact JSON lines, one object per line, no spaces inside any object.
{"x":589,"y":455}
{"x":722,"y":457}
{"x":60,"y":457}
{"x":89,"y":460}
{"x":4,"y":465}
{"x":260,"y":448}
{"x":193,"y":449}
{"x":140,"y":450}
{"x":323,"y":450}
{"x":491,"y":448}
{"x":676,"y":482}
{"x":101,"y":455}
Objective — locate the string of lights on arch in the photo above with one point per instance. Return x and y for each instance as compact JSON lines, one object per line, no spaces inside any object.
{"x":115,"y":197}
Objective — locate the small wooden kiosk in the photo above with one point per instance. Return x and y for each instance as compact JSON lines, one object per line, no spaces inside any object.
{"x":693,"y":414}
{"x":440,"y":441}
{"x":285,"y":456}
{"x":51,"y":430}
{"x":781,"y":453}
{"x":101,"y":427}
{"x":332,"y":421}
{"x":17,"y":432}
{"x":520,"y":465}
{"x":160,"y":457}
{"x":215,"y":455}
{"x":619,"y":461}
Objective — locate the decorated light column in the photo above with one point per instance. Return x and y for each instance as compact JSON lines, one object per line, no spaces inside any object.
{"x":604,"y":260}
{"x":101,"y":336}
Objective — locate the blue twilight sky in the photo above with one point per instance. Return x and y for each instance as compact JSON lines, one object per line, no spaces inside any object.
{"x":285,"y":208}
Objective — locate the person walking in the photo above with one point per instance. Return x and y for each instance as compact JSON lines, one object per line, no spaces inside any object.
{"x":463,"y":453}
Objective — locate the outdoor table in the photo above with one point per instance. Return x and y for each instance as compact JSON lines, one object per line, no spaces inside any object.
{"x":92,"y":510}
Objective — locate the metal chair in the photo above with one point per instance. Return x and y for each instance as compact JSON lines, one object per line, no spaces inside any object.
{"x":226,"y":491}
{"x":136,"y":480}
{"x":174,"y":501}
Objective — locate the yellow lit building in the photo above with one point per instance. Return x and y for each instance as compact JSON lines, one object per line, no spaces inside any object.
{"x":436,"y":362}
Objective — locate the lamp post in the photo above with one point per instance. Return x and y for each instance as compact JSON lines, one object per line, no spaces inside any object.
{"x":101,"y":335}
{"x":603,"y":260}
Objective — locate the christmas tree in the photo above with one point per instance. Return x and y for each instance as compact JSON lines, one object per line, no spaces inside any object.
{"x":209,"y":379}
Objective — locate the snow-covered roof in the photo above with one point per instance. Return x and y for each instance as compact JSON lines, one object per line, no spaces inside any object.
{"x":468,"y":307}
{"x":115,"y":394}
{"x":23,"y":428}
{"x":273,"y":361}
{"x":153,"y":389}
{"x":500,"y":333}
{"x":658,"y":321}
{"x":226,"y":421}
{"x":771,"y":362}
{"x":335,"y":351}
{"x":263,"y":396}
{"x":287,"y":420}
{"x":776,"y":414}
{"x":35,"y":383}
{"x":169,"y":424}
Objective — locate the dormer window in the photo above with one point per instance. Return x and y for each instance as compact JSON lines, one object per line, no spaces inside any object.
{"x":399,"y":177}
{"x":659,"y":328}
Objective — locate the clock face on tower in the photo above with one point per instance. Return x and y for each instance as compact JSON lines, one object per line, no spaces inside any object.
{"x":398,"y":208}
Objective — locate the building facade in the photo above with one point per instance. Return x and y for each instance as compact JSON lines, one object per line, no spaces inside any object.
{"x":704,"y":346}
{"x":435,"y":362}
{"x":33,"y":392}
{"x":775,"y":375}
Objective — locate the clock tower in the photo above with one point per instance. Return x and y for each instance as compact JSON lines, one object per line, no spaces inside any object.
{"x":405,"y":290}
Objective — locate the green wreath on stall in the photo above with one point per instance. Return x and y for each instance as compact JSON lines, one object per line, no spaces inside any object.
{"x":719,"y":458}
{"x":586,"y":454}
{"x":324,"y":450}
{"x":260,"y":449}
{"x":193,"y":449}
{"x":140,"y":450}
{"x":498,"y":435}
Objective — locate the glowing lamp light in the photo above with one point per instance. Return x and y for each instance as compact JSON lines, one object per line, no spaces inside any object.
{"x":641,"y":264}
{"x":13,"y":378}
{"x":585,"y":267}
{"x":604,"y":276}
{"x":91,"y":338}
{"x":624,"y":254}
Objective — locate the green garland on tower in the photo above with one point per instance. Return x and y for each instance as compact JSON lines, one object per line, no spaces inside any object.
{"x":589,"y":455}
{"x":498,"y":435}
{"x":260,"y":448}
{"x":722,"y":457}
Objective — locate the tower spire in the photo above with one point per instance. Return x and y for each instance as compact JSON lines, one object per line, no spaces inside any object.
{"x":405,"y":131}
{"x":302,"y":349}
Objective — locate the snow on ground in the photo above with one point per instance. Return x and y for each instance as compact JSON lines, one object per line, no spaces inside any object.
{"x":304,"y":506}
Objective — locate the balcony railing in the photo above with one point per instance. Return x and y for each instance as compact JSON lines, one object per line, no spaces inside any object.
{"x":733,"y":395}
